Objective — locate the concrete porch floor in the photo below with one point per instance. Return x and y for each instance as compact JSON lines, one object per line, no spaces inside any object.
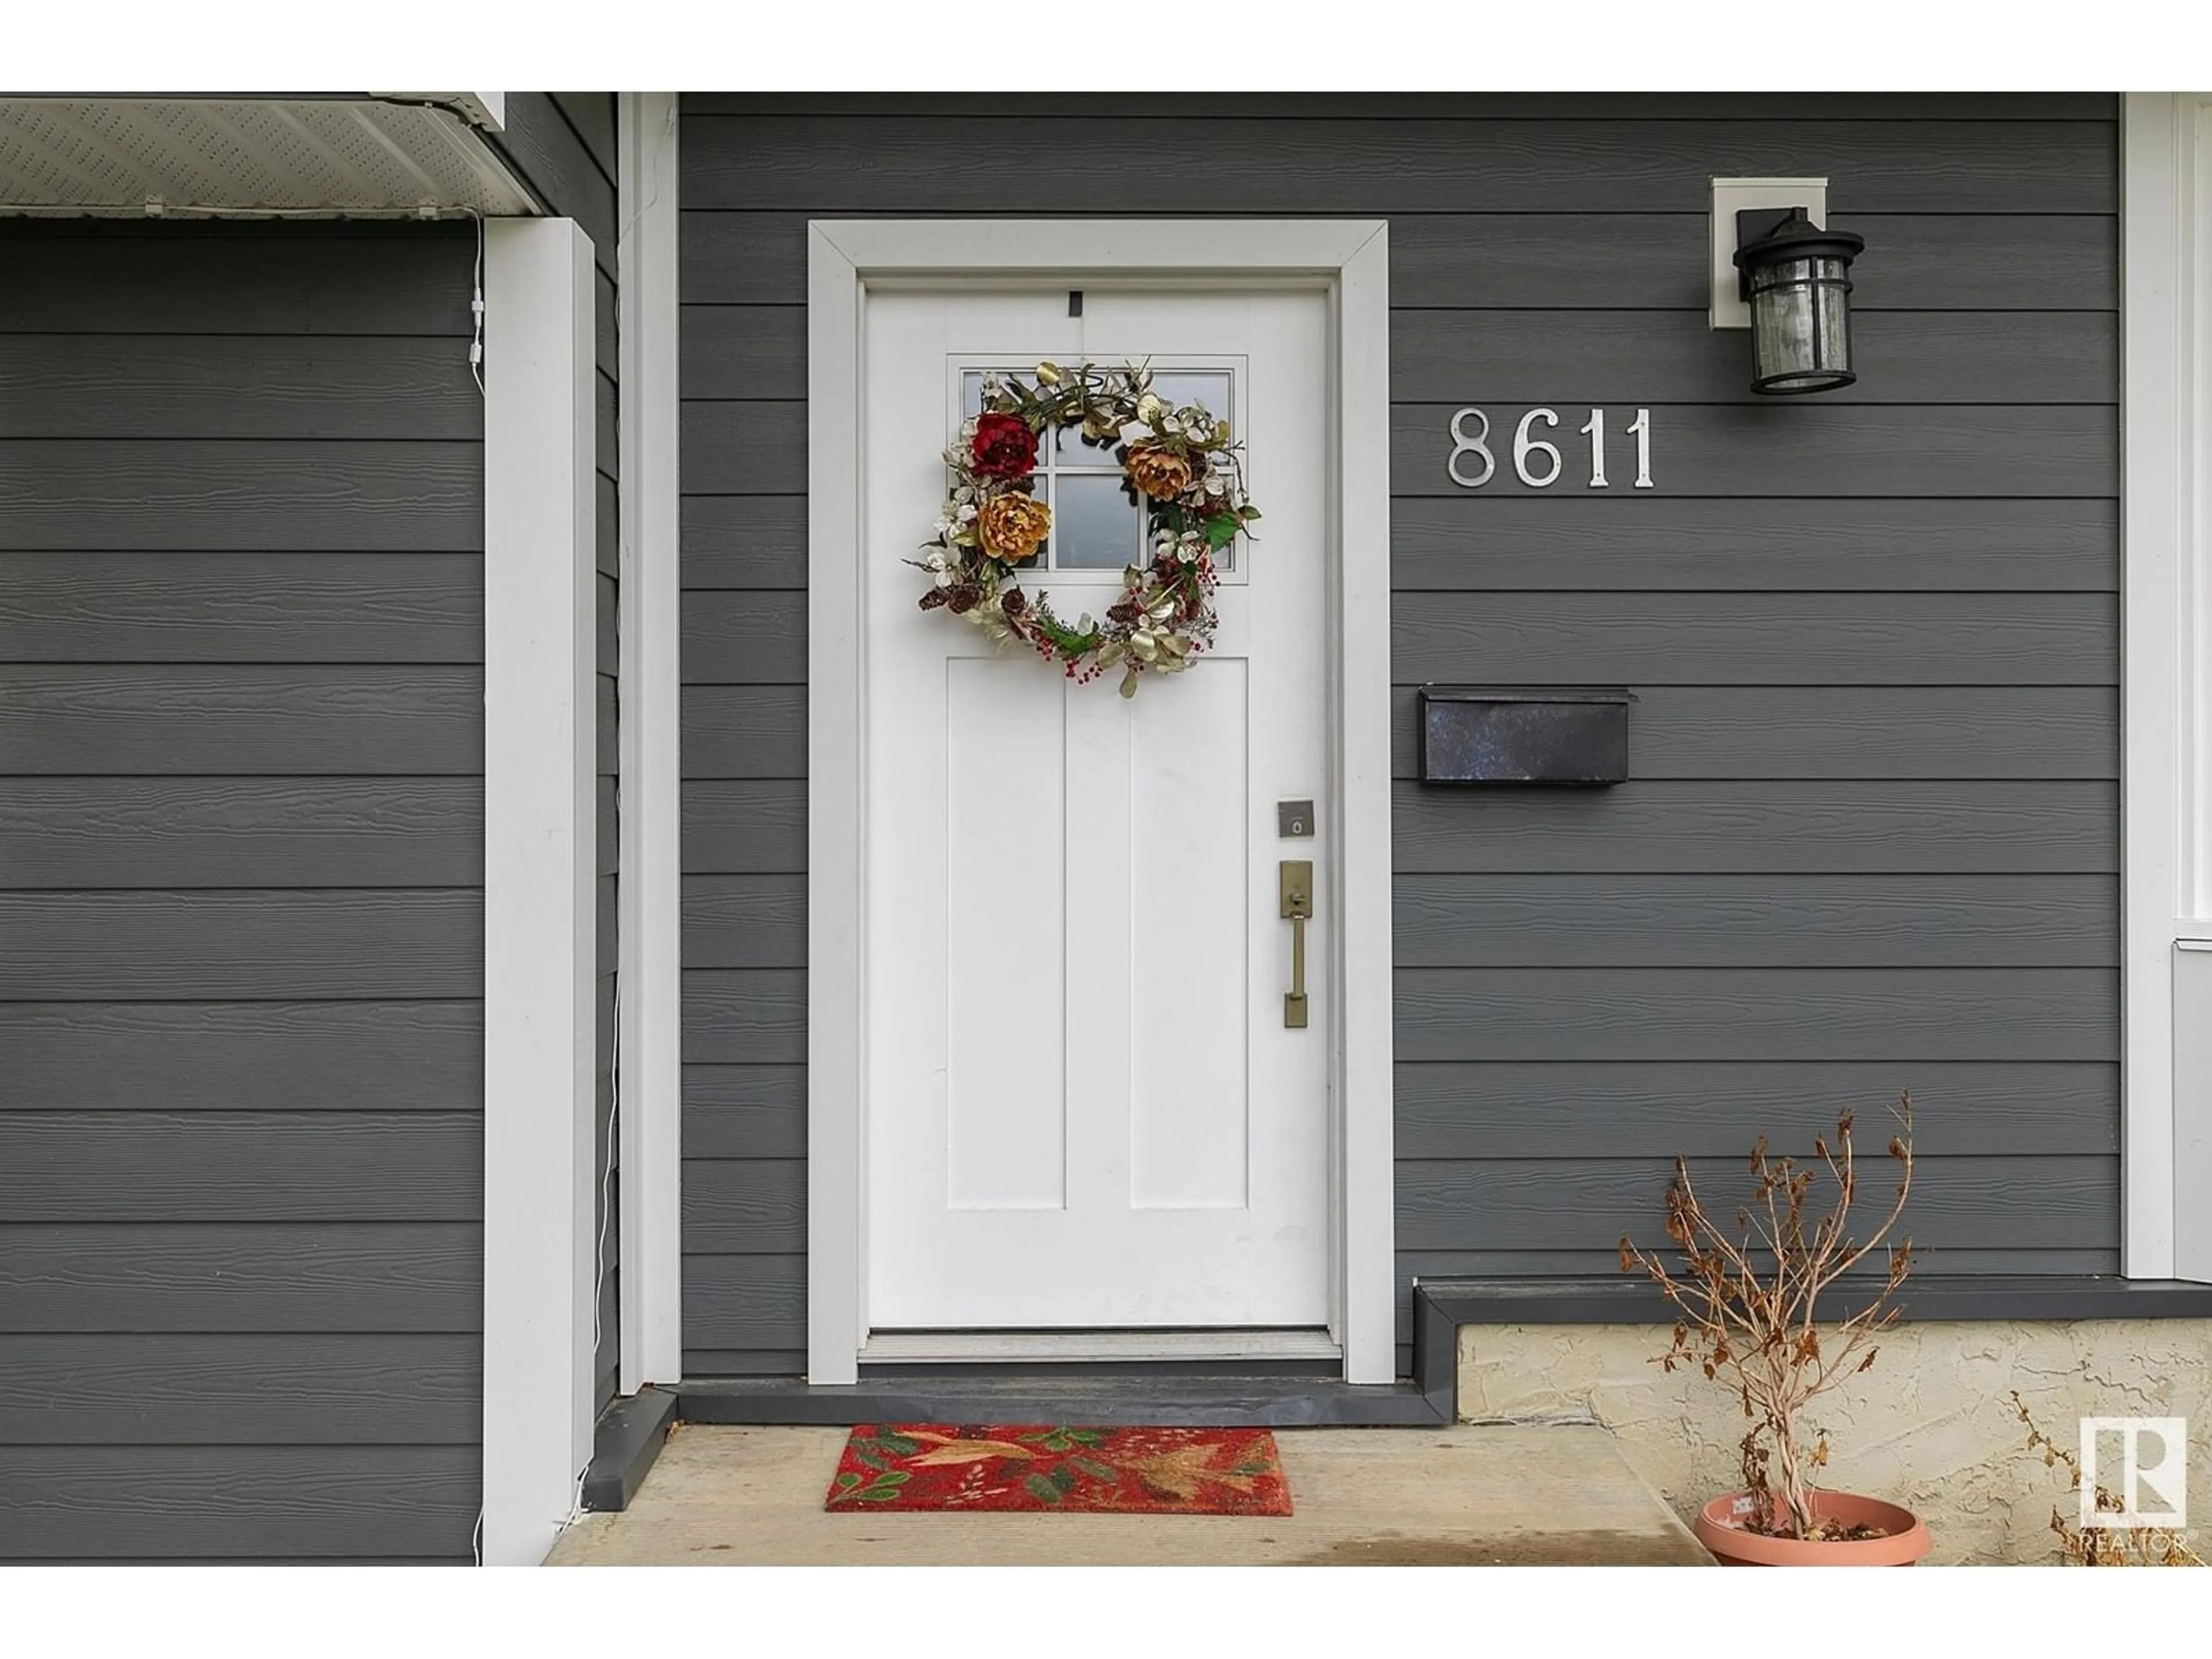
{"x":1464,"y":1496}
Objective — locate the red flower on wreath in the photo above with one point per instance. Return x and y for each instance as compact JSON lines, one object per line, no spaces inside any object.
{"x":1004,"y":446}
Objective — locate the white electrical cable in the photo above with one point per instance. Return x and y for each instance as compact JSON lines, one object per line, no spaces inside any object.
{"x":477,"y":309}
{"x":607,"y":1181}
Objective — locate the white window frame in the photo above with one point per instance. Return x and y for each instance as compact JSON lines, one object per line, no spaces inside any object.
{"x":2166,"y":707}
{"x":540,"y":729}
{"x":648,"y":979}
{"x":1349,"y":261}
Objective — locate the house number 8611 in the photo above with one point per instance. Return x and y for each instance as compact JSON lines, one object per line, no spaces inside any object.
{"x":1537,"y":462}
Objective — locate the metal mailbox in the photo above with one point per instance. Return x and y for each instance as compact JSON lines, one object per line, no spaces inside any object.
{"x":1524,"y":734}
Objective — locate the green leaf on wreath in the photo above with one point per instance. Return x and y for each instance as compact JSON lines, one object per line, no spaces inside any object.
{"x":1221,"y":530}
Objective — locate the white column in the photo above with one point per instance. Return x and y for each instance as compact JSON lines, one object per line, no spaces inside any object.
{"x":539,"y":724}
{"x":2166,"y":697}
{"x":2192,"y":980}
{"x":649,"y":1072}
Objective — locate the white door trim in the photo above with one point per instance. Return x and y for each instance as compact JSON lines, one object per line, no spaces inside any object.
{"x":1348,"y":259}
{"x":648,"y":978}
{"x":539,"y":728}
{"x":2166,"y":655}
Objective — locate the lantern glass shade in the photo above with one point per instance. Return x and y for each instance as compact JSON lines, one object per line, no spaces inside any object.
{"x":1801,"y":327}
{"x":1797,"y":282}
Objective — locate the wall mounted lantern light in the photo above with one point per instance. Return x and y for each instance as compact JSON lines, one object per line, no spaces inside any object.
{"x":1796,"y":278}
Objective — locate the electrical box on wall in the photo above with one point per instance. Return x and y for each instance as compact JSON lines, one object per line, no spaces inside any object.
{"x":1504,"y":734}
{"x":1732,"y":197}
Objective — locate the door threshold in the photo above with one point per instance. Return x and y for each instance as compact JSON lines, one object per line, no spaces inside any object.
{"x":1213,"y":1402}
{"x":1093,"y":1347}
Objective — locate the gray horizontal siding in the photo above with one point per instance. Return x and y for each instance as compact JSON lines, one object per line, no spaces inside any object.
{"x":308,"y":1503}
{"x":1588,"y":1264}
{"x":1524,"y":357}
{"x":1726,"y":921}
{"x":241,"y":817}
{"x":744,"y":1111}
{"x":743,"y":825}
{"x":242,"y":607}
{"x":98,"y":719}
{"x":239,"y":832}
{"x":2017,"y":1202}
{"x":1645,"y":1109}
{"x":237,"y":1276}
{"x":151,"y":1165}
{"x":227,"y":1390}
{"x":1959,"y":261}
{"x":336,"y":280}
{"x":1698,"y":449}
{"x":1724,"y":449}
{"x":752,"y":1304}
{"x":744,"y":732}
{"x":290,"y":944}
{"x":745,"y":1016}
{"x":1728,"y":1014}
{"x":116,"y":386}
{"x":956,"y":161}
{"x":1613,"y":544}
{"x":1734,"y":639}
{"x":1824,"y":731}
{"x":338,"y":1055}
{"x":1761,"y":106}
{"x":1752,"y":827}
{"x":1870,"y":838}
{"x":234,"y":494}
{"x":559,"y":167}
{"x":744,"y":921}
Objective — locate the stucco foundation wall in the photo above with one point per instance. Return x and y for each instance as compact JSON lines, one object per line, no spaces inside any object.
{"x":1931,"y":1425}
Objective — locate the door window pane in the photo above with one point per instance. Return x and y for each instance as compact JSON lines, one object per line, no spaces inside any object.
{"x":1207,"y":387}
{"x":1072,"y":449}
{"x":1094,"y":522}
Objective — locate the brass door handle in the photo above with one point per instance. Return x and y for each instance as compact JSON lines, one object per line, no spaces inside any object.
{"x":1294,"y":886}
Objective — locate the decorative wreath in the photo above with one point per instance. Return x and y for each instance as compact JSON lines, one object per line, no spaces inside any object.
{"x":1183,"y":463}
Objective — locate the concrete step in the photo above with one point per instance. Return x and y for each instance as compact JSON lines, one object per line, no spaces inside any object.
{"x":1467,"y":1495}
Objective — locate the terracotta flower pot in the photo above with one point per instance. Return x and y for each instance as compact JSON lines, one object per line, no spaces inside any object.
{"x":1718,"y":1529}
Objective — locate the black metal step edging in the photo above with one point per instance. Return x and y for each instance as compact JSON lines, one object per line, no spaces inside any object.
{"x":627,"y":1440}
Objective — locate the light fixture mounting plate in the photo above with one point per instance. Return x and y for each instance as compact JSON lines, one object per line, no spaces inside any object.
{"x":1734,"y":196}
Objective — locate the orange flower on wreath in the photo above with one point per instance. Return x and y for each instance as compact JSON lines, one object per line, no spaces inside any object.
{"x":1158,"y":472}
{"x":1013,"y":527}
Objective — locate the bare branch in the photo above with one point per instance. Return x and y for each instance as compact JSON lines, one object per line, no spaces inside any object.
{"x":1748,"y":1304}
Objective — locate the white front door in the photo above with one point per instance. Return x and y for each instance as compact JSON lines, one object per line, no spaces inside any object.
{"x":1082,"y":1107}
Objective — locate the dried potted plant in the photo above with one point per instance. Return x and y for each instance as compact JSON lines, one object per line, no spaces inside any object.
{"x":1747,"y":1304}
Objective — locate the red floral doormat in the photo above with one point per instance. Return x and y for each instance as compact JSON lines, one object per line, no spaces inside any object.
{"x":942,"y":1466}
